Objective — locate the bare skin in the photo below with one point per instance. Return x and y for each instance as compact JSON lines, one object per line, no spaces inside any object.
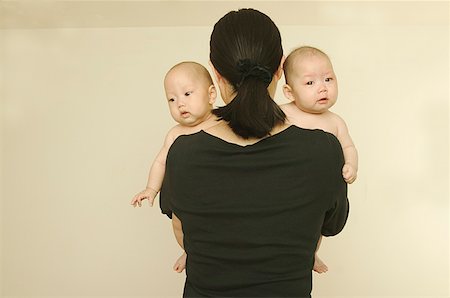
{"x":319,"y":265}
{"x":190,"y":95}
{"x":312,"y":89}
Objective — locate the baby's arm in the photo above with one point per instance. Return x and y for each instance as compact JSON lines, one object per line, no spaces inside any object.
{"x":178,"y":230}
{"x":350,"y":169}
{"x":156,"y":175}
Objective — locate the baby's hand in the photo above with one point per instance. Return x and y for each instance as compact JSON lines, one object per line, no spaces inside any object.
{"x":180,"y":264}
{"x":349,"y":173}
{"x":147,"y":193}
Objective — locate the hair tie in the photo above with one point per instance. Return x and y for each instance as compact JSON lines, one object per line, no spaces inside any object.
{"x":249,"y":69}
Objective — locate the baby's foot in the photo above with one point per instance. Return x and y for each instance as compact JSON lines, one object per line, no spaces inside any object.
{"x":319,"y":266}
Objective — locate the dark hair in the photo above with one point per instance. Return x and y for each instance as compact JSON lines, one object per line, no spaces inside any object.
{"x":245,"y":48}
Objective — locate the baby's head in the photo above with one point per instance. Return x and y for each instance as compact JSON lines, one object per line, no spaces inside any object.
{"x":190,"y":93}
{"x":310,"y":80}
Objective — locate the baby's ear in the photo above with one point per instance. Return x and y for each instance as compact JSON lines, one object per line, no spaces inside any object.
{"x":287,"y":91}
{"x":212,"y":92}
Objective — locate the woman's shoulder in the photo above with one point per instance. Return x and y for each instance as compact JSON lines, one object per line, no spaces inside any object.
{"x":310,"y":132}
{"x":291,"y":138}
{"x":184,"y":139}
{"x":317,"y":140}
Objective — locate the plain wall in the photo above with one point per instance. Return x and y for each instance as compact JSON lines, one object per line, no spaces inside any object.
{"x":83,"y":114}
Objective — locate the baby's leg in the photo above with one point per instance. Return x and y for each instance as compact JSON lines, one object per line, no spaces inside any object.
{"x":319,"y":266}
{"x":180,"y":264}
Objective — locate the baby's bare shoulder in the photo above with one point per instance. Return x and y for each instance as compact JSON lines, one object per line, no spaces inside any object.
{"x":288,"y":107}
{"x":292,"y":111}
{"x":179,"y":130}
{"x":334,"y":117}
{"x":175,"y":132}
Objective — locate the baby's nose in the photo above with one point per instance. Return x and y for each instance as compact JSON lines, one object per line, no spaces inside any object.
{"x":323,"y":88}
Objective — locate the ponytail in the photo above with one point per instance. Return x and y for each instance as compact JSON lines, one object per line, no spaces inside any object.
{"x":245,"y":49}
{"x":252,"y":112}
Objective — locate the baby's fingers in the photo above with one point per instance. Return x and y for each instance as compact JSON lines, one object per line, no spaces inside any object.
{"x":150,"y":201}
{"x":137,"y":201}
{"x":134,"y":201}
{"x":349,"y":178}
{"x":352,"y":179}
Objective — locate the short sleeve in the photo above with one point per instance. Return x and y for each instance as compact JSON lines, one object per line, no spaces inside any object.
{"x":165,"y":199}
{"x":165,"y":196}
{"x":258,"y":206}
{"x":166,"y":157}
{"x":336,"y":216}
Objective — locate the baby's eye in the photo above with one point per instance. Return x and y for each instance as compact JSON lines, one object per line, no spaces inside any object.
{"x":309,"y":83}
{"x":171,"y":99}
{"x":328,"y":79}
{"x":188,"y":93}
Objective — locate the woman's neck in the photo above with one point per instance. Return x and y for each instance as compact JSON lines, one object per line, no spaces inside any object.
{"x":223,"y":131}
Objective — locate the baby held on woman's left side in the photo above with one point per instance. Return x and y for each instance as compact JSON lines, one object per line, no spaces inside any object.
{"x":311,"y":86}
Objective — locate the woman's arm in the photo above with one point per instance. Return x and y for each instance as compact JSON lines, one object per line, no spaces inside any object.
{"x":177,"y":230}
{"x":336,"y":216}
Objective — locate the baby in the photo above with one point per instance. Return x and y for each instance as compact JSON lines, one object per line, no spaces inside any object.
{"x":190,"y":94}
{"x":311,"y":85}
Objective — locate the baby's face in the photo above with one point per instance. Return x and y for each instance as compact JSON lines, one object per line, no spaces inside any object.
{"x":188,"y":95}
{"x":314,"y":84}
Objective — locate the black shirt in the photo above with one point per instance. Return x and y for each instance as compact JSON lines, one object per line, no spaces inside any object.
{"x":252,"y":215}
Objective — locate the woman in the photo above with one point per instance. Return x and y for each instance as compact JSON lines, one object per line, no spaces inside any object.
{"x":252,"y":195}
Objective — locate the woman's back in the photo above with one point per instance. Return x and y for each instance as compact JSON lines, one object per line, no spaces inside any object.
{"x":252,"y":215}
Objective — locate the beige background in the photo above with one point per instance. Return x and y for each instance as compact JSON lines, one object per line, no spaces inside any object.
{"x":83,"y":115}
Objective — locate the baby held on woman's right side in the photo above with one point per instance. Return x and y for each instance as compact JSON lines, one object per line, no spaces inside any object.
{"x":190,"y":93}
{"x":311,"y":85}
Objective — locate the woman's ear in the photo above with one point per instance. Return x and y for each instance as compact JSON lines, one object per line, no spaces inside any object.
{"x":212,"y":92}
{"x":279,"y":71}
{"x":216,"y":73}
